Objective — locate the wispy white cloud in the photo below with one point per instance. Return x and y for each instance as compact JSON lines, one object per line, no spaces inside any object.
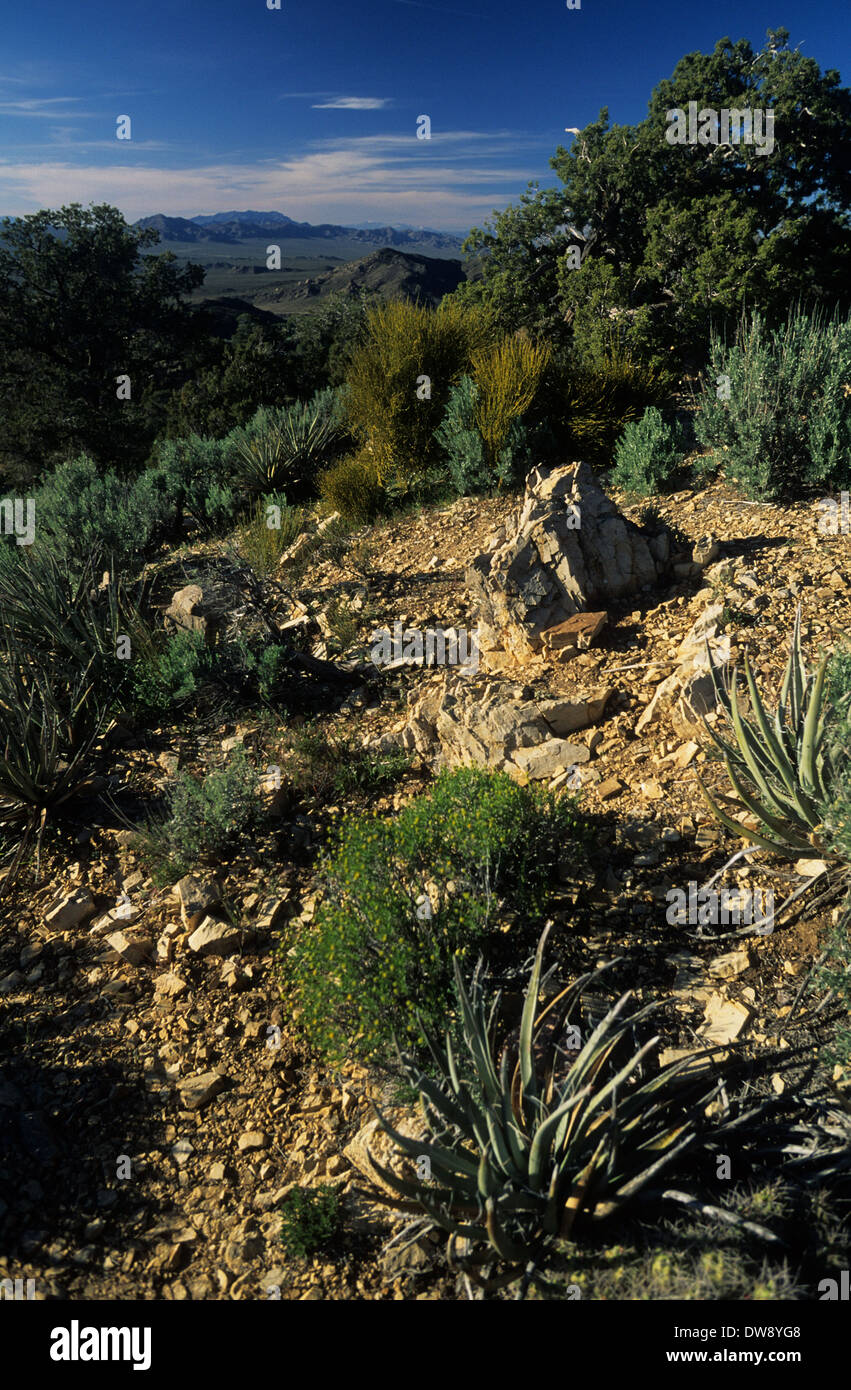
{"x":41,"y":107}
{"x":352,"y":104}
{"x":454,"y":180}
{"x":341,"y":185}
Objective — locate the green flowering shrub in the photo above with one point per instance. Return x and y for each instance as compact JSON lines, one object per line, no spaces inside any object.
{"x":403,"y":897}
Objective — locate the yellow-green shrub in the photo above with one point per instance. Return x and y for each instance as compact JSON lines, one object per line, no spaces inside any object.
{"x":399,"y":379}
{"x":604,"y":395}
{"x":353,"y":487}
{"x":507,"y":375}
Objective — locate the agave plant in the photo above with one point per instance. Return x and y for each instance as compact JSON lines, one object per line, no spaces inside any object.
{"x":780,"y":768}
{"x":59,"y":678}
{"x":519,"y":1150}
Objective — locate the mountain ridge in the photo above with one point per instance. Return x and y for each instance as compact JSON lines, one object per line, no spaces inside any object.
{"x":232,"y":228}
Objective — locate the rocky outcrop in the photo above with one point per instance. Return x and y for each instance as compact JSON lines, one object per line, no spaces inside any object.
{"x":688,"y":693}
{"x":570,"y":551}
{"x":494,"y":724}
{"x":198,"y":609}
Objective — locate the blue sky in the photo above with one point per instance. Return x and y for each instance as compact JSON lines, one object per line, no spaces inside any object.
{"x":311,"y":110}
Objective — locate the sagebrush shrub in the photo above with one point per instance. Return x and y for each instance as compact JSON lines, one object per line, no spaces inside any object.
{"x":459,"y":438}
{"x":206,"y":817}
{"x":177,"y":668}
{"x":81,"y":511}
{"x":199,"y":474}
{"x":775,"y":404}
{"x":402,"y":897}
{"x":165,"y":676}
{"x":648,"y":455}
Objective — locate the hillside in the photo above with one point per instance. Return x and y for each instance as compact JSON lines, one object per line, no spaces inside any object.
{"x":232,"y":248}
{"x":188,"y":1059}
{"x":387,"y":273}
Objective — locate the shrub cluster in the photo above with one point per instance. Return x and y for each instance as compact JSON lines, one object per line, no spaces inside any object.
{"x":81,"y":511}
{"x":352,"y":487}
{"x":400,"y":377}
{"x":177,"y":668}
{"x":602,"y":395}
{"x":285,"y":447}
{"x":485,"y":434}
{"x":310,"y":1218}
{"x":199,"y":477}
{"x":272,"y":527}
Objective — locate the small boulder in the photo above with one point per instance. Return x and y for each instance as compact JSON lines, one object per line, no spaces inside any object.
{"x":197,"y":610}
{"x":196,"y":898}
{"x":197,"y":1091}
{"x":68,"y":910}
{"x":213,"y":938}
{"x":132,"y":950}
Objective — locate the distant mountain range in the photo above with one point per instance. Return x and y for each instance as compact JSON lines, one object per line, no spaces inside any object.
{"x":235,"y":227}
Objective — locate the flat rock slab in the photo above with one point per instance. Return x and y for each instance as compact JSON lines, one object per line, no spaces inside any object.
{"x":197,"y":1091}
{"x":575,"y":634}
{"x":725,"y":1020}
{"x":486,"y":722}
{"x":544,"y":760}
{"x":214,"y":939}
{"x":728,"y":966}
{"x":70,"y":909}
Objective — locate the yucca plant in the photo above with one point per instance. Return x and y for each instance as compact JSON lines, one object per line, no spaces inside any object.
{"x":520,"y":1150}
{"x":66,"y":620}
{"x":285,"y":447}
{"x":780,"y":768}
{"x":47,"y":736}
{"x":60,"y":679}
